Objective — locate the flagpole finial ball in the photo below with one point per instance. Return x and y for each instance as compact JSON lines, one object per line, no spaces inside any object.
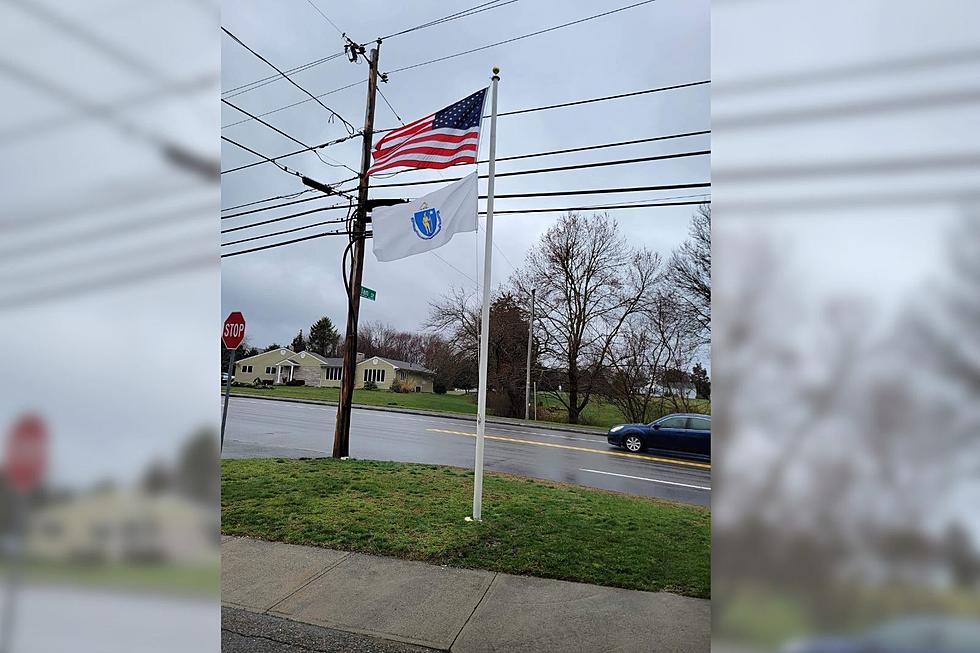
{"x":496,"y":71}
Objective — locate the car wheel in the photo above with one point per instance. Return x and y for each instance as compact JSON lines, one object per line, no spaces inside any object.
{"x":633,"y":443}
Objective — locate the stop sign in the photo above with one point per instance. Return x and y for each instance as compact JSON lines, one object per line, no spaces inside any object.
{"x":234,"y":330}
{"x":26,"y":455}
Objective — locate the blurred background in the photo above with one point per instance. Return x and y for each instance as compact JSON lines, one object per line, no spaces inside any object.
{"x":846,"y":358}
{"x":109,"y":312}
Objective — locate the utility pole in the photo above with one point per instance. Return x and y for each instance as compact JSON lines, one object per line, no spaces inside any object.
{"x":341,"y":436}
{"x":527,"y":380}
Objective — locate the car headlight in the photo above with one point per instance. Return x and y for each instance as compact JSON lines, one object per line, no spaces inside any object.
{"x":616,"y":428}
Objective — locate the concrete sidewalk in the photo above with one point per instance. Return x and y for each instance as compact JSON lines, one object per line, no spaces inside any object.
{"x":448,"y":609}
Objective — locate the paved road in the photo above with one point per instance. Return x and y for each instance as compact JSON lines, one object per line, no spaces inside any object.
{"x":263,"y":428}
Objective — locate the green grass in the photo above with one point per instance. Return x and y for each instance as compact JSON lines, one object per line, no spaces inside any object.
{"x":178,"y":579}
{"x":529,"y":527}
{"x":596,"y":413}
{"x":421,"y":400}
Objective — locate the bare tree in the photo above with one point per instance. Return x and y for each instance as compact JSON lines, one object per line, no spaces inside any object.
{"x":690,"y":270}
{"x":589,"y":282}
{"x":649,"y":361}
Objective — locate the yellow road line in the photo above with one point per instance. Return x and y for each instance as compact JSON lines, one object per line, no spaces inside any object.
{"x":621,"y":454}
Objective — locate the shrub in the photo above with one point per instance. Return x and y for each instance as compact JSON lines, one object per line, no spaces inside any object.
{"x":370,"y":385}
{"x":296,"y":382}
{"x":396,"y":386}
{"x":439,"y":388}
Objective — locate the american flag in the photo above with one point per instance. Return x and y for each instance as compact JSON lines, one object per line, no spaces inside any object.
{"x":445,"y":138}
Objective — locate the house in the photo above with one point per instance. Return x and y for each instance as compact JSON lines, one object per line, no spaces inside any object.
{"x":117,"y":525}
{"x":280,"y":366}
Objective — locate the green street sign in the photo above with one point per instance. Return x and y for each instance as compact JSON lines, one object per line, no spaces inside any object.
{"x":367,"y":293}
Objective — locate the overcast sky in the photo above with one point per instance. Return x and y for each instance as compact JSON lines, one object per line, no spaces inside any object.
{"x":663,"y":43}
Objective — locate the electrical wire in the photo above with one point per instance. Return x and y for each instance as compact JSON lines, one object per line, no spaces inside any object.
{"x":333,"y":114}
{"x":289,"y":154}
{"x":518,"y":38}
{"x":259,"y":154}
{"x":290,"y":137}
{"x":606,"y":207}
{"x":597,"y":191}
{"x":282,"y":217}
{"x":465,"y":13}
{"x":459,"y":54}
{"x":284,"y":231}
{"x":268,"y":199}
{"x":258,"y":83}
{"x":514,"y":158}
{"x":603,"y":207}
{"x":326,"y":18}
{"x":390,"y":107}
{"x":579,"y":166}
{"x":287,"y":242}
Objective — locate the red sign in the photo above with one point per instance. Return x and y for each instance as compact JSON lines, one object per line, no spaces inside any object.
{"x":27,"y":452}
{"x":234,"y":330}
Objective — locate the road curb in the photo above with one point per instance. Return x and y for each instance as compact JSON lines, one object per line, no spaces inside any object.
{"x":500,"y":421}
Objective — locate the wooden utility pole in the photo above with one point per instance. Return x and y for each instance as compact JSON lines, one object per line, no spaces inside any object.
{"x":341,"y":435}
{"x":527,"y":379}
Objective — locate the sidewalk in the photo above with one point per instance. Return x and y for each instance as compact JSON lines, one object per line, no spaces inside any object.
{"x":502,"y":421}
{"x":448,"y":609}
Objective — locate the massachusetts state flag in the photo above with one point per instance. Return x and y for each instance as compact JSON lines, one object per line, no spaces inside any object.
{"x":427,"y":222}
{"x":445,"y":138}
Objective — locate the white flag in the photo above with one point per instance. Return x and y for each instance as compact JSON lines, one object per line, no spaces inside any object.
{"x":427,"y":222}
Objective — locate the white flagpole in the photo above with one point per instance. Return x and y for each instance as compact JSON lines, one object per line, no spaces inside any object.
{"x":481,"y":402}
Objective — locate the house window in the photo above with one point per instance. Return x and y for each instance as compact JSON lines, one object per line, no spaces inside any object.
{"x":373,"y":374}
{"x":270,"y":370}
{"x":332,"y":373}
{"x":246,"y":369}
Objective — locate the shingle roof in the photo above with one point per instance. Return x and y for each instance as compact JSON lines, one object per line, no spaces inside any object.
{"x":404,"y":365}
{"x":329,"y":362}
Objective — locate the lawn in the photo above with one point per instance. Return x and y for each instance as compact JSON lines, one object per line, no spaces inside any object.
{"x":421,"y":400}
{"x":597,"y":413}
{"x":529,"y":527}
{"x":155,"y":577}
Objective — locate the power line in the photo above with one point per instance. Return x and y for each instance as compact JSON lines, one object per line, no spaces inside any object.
{"x":465,"y":13}
{"x":595,"y":191}
{"x":289,"y":154}
{"x":259,"y":154}
{"x":275,"y":206}
{"x":296,"y":104}
{"x":609,"y":207}
{"x":326,"y":18}
{"x":284,"y":231}
{"x":506,"y":158}
{"x":284,"y":217}
{"x":288,"y":242}
{"x":268,"y":199}
{"x":350,"y":127}
{"x":390,"y":107}
{"x":251,"y":86}
{"x":459,"y":54}
{"x":580,"y":166}
{"x":518,"y":38}
{"x":604,"y":207}
{"x":258,"y":83}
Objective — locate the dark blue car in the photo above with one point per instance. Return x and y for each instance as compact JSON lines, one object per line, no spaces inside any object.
{"x":688,"y":434}
{"x":908,"y":635}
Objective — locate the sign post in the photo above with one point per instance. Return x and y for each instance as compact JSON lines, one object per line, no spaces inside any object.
{"x":25,"y":461}
{"x":232,"y":335}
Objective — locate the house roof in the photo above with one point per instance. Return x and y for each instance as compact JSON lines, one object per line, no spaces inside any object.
{"x":404,"y":365}
{"x":329,"y":362}
{"x":289,"y":353}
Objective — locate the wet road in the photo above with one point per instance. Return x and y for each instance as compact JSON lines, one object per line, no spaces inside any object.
{"x":264,"y":428}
